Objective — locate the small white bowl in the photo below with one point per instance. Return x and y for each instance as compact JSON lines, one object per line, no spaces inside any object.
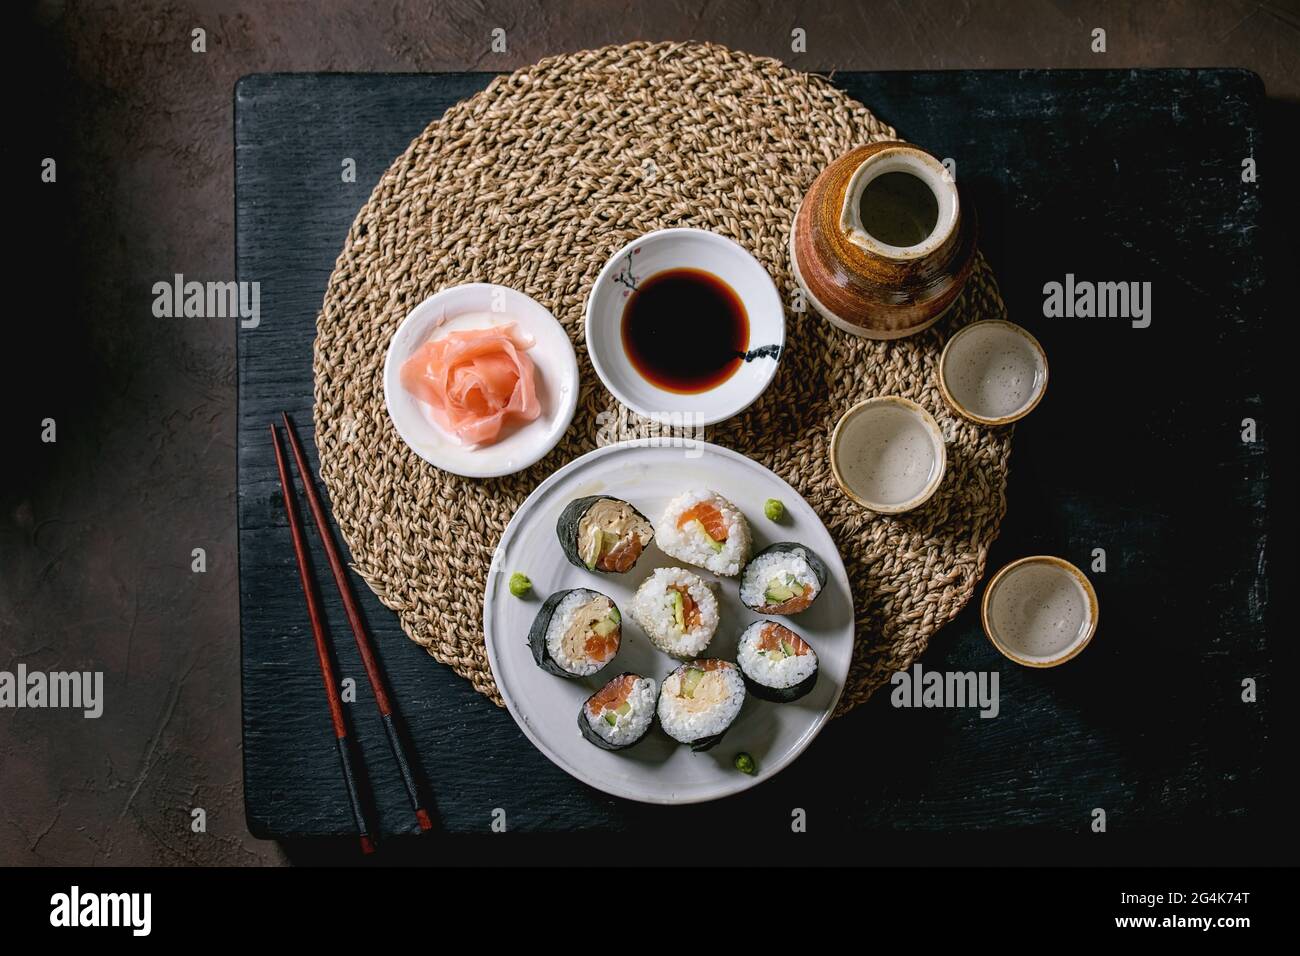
{"x":888,"y":454}
{"x":474,"y":306}
{"x":682,"y":249}
{"x":1040,"y":611}
{"x":993,"y":372}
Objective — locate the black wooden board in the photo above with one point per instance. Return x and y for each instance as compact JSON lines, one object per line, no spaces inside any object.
{"x":1108,"y":175}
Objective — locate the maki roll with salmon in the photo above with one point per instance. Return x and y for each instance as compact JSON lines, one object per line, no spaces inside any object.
{"x":576,"y":633}
{"x":600,"y":533}
{"x":677,"y":610}
{"x":699,"y":701}
{"x":705,"y":529}
{"x":776,"y":663}
{"x":620,"y":713}
{"x":783,"y":578}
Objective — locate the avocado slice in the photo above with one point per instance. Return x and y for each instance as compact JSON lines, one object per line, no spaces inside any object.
{"x":777,"y":593}
{"x":787,"y":649}
{"x":779,"y":590}
{"x":690,"y":680}
{"x":601,"y":543}
{"x":606,"y":627}
{"x":679,"y":610}
{"x":611,"y":718}
{"x":623,"y":709}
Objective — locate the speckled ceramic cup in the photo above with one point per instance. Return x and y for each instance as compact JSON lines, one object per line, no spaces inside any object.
{"x":888,"y":454}
{"x":1040,"y":611}
{"x":993,"y":372}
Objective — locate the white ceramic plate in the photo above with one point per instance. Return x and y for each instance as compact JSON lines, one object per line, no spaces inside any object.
{"x":677,"y":249}
{"x":658,"y":770}
{"x":474,"y":306}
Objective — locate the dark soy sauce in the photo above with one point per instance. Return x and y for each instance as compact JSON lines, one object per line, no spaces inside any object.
{"x":685,"y":330}
{"x":899,"y":209}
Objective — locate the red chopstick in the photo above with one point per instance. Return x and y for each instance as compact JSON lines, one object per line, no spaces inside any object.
{"x":322,"y":651}
{"x":373,"y":672}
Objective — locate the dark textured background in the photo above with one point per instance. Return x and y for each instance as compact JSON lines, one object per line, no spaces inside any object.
{"x":96,"y":531}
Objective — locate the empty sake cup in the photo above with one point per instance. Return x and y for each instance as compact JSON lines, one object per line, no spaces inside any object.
{"x":993,"y":372}
{"x":888,"y":454}
{"x":1040,"y":611}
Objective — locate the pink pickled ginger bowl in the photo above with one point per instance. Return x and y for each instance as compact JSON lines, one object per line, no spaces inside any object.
{"x":482,"y":305}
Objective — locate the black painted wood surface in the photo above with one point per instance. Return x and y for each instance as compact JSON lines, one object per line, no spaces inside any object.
{"x":1136,"y":448}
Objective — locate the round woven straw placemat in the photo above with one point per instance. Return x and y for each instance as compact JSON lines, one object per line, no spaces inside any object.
{"x":533,"y":184}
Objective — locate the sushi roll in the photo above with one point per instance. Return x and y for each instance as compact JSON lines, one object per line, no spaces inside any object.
{"x":619,"y":714}
{"x":699,"y":701}
{"x":777,"y":664}
{"x":705,"y":529}
{"x":677,"y":610}
{"x":783,"y":578}
{"x":600,"y":533}
{"x":576,"y":633}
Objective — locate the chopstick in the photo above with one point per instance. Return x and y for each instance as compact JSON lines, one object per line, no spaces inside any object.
{"x":373,"y":672}
{"x":322,"y":652}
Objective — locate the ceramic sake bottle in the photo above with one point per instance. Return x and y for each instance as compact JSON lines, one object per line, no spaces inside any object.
{"x":881,"y":244}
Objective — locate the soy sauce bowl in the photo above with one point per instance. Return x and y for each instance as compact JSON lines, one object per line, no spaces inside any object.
{"x":723,"y":260}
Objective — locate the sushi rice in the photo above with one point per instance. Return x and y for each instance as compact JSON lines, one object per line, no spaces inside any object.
{"x":781,"y":580}
{"x":777,"y":663}
{"x":620,"y":713}
{"x":684,"y":536}
{"x":699,"y":701}
{"x":677,"y":610}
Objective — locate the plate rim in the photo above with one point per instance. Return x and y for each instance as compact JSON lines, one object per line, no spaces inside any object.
{"x":743,"y":782}
{"x":569,"y":408}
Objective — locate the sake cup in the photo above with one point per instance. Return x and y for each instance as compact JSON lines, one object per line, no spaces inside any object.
{"x":888,"y":454}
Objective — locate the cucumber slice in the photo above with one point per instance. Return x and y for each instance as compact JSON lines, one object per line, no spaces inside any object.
{"x":690,"y":680}
{"x":679,"y":611}
{"x":787,"y":649}
{"x":611,"y":718}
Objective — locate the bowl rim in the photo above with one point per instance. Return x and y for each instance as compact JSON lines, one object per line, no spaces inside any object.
{"x":1094,"y":609}
{"x":967,"y":413}
{"x":721,"y":413}
{"x":931,"y":425}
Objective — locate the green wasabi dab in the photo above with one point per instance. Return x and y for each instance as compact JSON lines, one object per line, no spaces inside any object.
{"x":744,"y":762}
{"x":519,"y":584}
{"x":774,"y":510}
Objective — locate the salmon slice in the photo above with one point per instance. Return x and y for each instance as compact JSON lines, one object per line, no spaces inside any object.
{"x":707,"y":515}
{"x":600,"y":648}
{"x":475,"y":381}
{"x":613,"y":695}
{"x":793,"y":606}
{"x":770,"y":638}
{"x":622,"y":556}
{"x":690,"y":610}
